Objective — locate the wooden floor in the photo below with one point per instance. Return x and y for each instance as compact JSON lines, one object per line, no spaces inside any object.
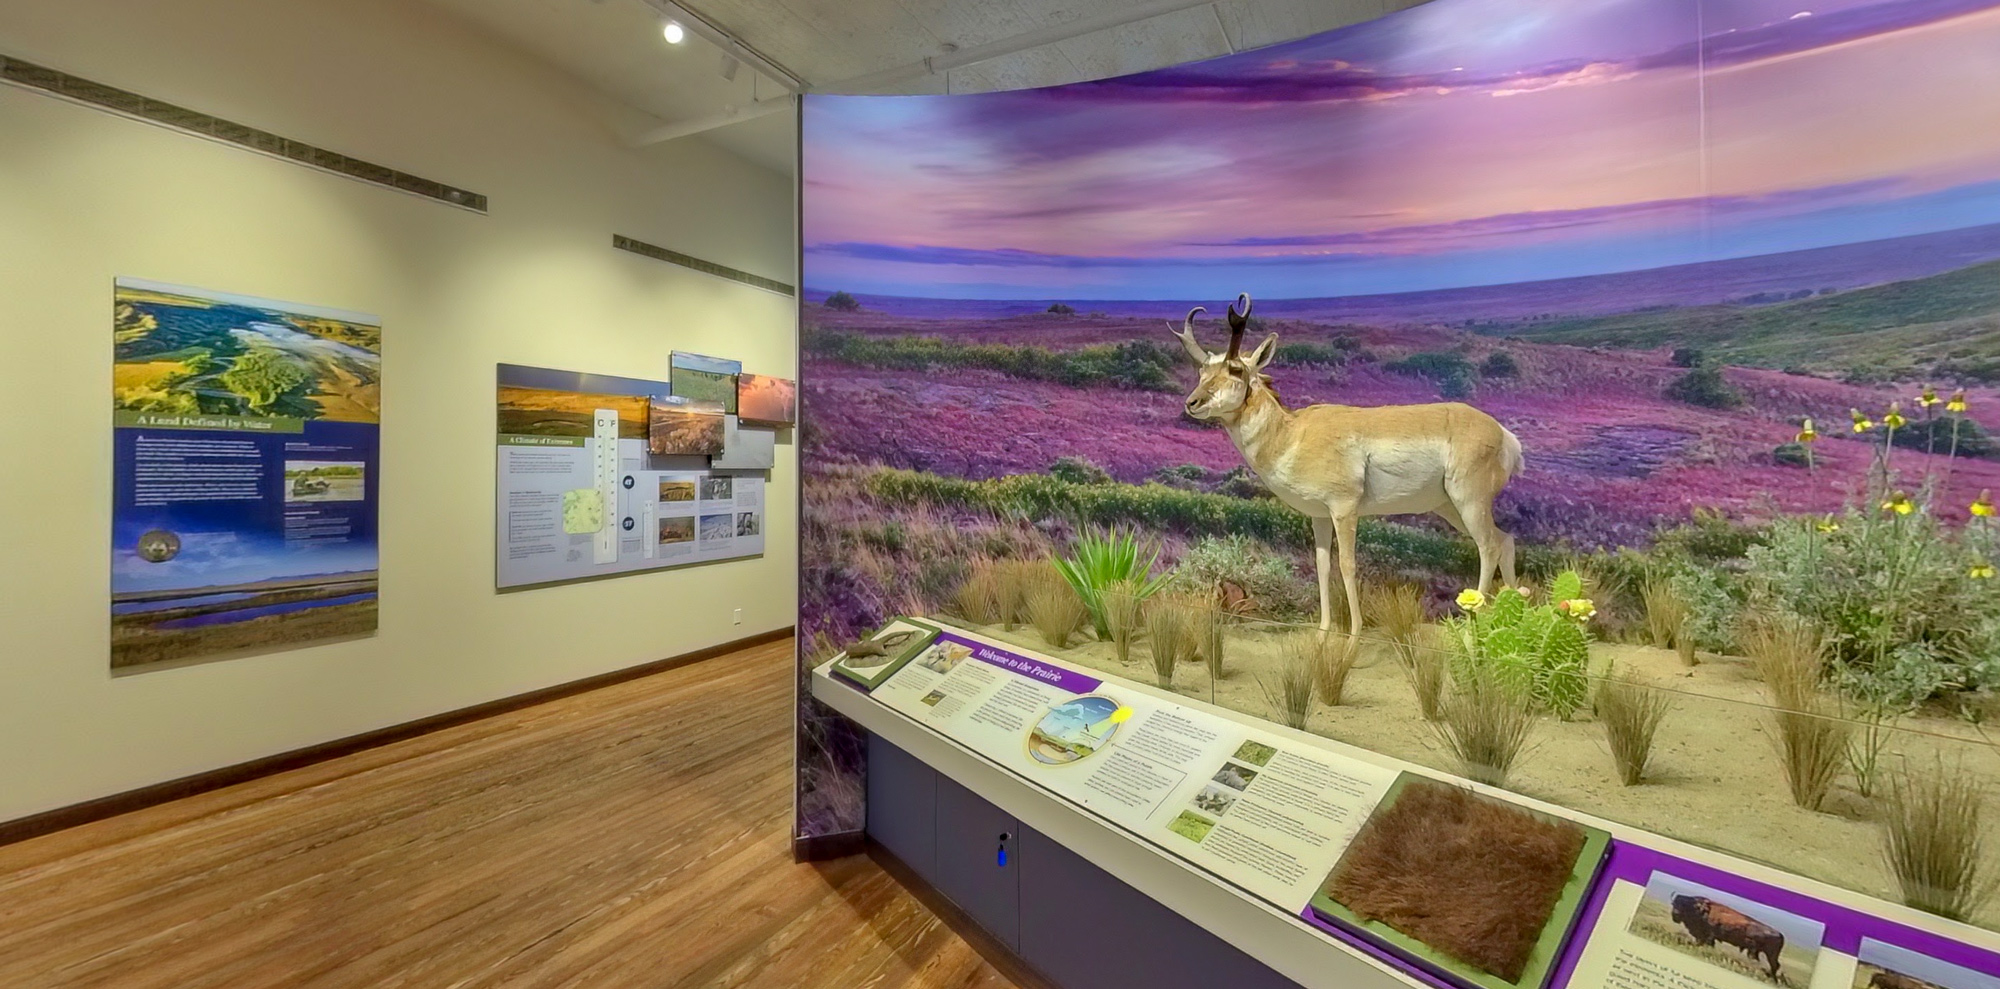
{"x":631,"y":836}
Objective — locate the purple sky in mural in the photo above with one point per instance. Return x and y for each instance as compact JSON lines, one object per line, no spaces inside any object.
{"x":1462,"y":142}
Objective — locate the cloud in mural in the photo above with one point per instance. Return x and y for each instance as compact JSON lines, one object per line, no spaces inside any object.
{"x":1452,"y":144}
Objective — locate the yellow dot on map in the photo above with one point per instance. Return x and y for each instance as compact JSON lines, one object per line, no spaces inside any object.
{"x":1120,"y":715}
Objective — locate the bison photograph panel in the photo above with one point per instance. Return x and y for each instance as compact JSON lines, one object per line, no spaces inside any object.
{"x":1729,"y":931}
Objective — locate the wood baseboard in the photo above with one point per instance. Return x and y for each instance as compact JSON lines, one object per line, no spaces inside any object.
{"x":49,"y":821}
{"x":996,"y":953}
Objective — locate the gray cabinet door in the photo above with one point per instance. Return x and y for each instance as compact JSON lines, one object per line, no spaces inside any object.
{"x":1133,"y":940}
{"x":902,"y":806}
{"x":970,"y":867}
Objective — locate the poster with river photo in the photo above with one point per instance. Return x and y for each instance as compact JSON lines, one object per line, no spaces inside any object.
{"x":246,"y":472}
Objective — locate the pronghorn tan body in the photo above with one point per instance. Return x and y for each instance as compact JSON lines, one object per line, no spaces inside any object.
{"x":1337,"y":463}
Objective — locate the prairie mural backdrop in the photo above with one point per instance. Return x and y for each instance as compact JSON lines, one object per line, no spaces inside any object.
{"x":1651,"y":237}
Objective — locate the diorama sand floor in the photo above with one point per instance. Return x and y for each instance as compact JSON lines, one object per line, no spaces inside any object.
{"x":1714,"y":779}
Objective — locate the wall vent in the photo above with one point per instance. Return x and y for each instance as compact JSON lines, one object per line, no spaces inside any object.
{"x":30,"y":76}
{"x":658,"y":253}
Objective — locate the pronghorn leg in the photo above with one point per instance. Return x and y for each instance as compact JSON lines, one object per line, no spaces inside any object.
{"x":1477,"y":521}
{"x":1507,"y":559}
{"x":1344,"y":526}
{"x":1323,"y":564}
{"x":1449,"y":513}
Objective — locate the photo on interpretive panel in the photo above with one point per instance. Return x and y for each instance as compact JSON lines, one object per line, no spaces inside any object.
{"x":676,"y":530}
{"x":749,"y":524}
{"x":943,"y":657}
{"x":1073,"y":730}
{"x":1887,"y":966}
{"x":1214,"y":799}
{"x":718,"y":488}
{"x":931,"y":699}
{"x":705,"y":379}
{"x":675,"y":491}
{"x":1729,"y":932}
{"x":325,"y":480}
{"x":1191,"y":826}
{"x":1254,"y":753}
{"x":767,"y":401}
{"x":1234,"y":776}
{"x":677,"y":428}
{"x":717,"y":527}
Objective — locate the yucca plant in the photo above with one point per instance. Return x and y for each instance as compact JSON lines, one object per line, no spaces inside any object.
{"x":1106,"y":558}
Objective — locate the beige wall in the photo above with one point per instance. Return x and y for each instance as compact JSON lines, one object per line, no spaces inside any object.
{"x":86,"y":197}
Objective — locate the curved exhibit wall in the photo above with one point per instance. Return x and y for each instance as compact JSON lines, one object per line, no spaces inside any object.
{"x":87,"y":197}
{"x":1651,"y":238}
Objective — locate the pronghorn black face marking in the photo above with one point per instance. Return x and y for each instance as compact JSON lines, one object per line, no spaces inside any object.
{"x":1226,"y":379}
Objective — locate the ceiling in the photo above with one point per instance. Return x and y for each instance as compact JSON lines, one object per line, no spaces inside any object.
{"x":686,"y":91}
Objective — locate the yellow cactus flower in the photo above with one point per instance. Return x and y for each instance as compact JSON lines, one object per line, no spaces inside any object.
{"x":1828,"y":525}
{"x":1928,"y":398}
{"x":1957,"y":403}
{"x":1894,"y":417}
{"x":1899,"y":503}
{"x":1471,"y":600}
{"x":1807,"y":433}
{"x":1982,"y":506}
{"x":1862,"y":423}
{"x":1981,"y":571}
{"x":1578,"y":608}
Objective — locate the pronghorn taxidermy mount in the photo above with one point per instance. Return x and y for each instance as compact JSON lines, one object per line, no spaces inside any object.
{"x":1337,"y":463}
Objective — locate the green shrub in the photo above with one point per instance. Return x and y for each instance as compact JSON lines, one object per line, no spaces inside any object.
{"x":1894,"y":597}
{"x":1268,"y":578}
{"x":1791,"y":455}
{"x":1136,"y":364}
{"x":1078,"y":470}
{"x":1453,"y":375}
{"x":1333,"y":353}
{"x":1934,"y":435}
{"x":1062,"y":309}
{"x":1705,"y":386}
{"x":1500,"y":364}
{"x":1386,"y":546}
{"x":842,"y":302}
{"x":1689,"y":357}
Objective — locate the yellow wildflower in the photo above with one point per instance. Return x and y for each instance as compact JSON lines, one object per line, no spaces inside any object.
{"x":1862,"y":423}
{"x":1981,"y":571}
{"x":1894,"y":417}
{"x":1899,"y":503}
{"x":1957,"y":403}
{"x":1982,"y":506}
{"x":1471,"y":600}
{"x":1807,"y":433}
{"x":1928,"y":398}
{"x":1578,"y":608}
{"x":1828,"y":525}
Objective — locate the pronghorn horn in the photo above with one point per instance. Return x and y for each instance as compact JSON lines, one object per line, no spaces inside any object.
{"x":1238,"y":322}
{"x":1186,"y":333}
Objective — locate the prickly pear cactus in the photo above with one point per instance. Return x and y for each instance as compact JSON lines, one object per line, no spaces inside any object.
{"x":1541,"y":651}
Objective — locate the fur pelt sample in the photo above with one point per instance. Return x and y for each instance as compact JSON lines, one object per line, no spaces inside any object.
{"x":1471,"y":877}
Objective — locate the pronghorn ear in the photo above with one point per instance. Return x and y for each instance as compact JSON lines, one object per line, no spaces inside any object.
{"x":1263,"y":354}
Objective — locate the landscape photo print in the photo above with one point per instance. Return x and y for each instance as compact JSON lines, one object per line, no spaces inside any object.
{"x":1728,"y":273}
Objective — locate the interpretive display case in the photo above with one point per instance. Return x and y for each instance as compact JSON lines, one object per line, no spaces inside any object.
{"x":1435,"y":876}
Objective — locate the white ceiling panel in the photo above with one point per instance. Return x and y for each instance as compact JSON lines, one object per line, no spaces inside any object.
{"x":615,"y":47}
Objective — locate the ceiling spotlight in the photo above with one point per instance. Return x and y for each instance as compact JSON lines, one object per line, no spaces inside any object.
{"x":675,"y":34}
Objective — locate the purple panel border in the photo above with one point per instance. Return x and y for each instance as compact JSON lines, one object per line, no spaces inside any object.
{"x":1845,"y":926}
{"x":1033,"y":669}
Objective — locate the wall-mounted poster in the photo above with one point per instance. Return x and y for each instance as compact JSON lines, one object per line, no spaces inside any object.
{"x":246,"y":473}
{"x":706,"y":379}
{"x":767,"y":401}
{"x":581,"y":494}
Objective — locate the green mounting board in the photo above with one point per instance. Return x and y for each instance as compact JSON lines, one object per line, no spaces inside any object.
{"x":871,"y":674}
{"x":1541,"y":958}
